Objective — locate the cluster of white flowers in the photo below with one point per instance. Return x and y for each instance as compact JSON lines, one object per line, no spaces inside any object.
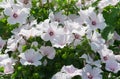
{"x":60,"y":30}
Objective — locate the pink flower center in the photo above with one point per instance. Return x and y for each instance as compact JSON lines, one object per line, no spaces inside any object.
{"x":25,"y":1}
{"x":46,"y":53}
{"x":76,"y":36}
{"x":70,"y":70}
{"x":112,"y":69}
{"x":57,"y":19}
{"x":105,"y":58}
{"x":94,"y":23}
{"x":89,"y":76}
{"x":51,"y":33}
{"x":15,"y":15}
{"x":30,"y":61}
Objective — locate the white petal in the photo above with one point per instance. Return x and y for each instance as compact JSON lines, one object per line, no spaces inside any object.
{"x":37,"y":63}
{"x":8,"y":11}
{"x":11,"y":20}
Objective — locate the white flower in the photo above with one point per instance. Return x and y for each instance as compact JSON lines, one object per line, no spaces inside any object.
{"x":67,"y":72}
{"x":59,"y":17}
{"x":61,"y":40}
{"x":25,"y":3}
{"x":91,"y":73}
{"x":96,"y":41}
{"x":112,"y":65}
{"x":62,"y":37}
{"x":70,"y":26}
{"x":48,"y":51}
{"x":20,"y":48}
{"x":8,"y":69}
{"x":95,"y":21}
{"x":17,"y":14}
{"x":106,"y":54}
{"x":78,"y":34}
{"x":13,"y":42}
{"x":8,"y":65}
{"x":103,"y":3}
{"x":60,"y":75}
{"x":49,"y":31}
{"x":90,"y":61}
{"x":113,"y":2}
{"x":43,"y":25}
{"x":72,"y":17}
{"x":83,"y":16}
{"x":117,"y":57}
{"x":30,"y":57}
{"x":96,"y":46}
{"x":71,"y":71}
{"x":27,"y":33}
{"x":6,"y":3}
{"x":3,"y":56}
{"x":57,"y":35}
{"x":96,"y":37}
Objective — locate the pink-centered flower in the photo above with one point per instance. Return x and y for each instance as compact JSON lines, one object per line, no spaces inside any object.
{"x":95,"y":21}
{"x":112,"y":65}
{"x":91,"y":73}
{"x":49,"y":31}
{"x":106,"y":54}
{"x":78,"y":34}
{"x":17,"y":14}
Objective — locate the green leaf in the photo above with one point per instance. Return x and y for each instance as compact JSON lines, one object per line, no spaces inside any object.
{"x":107,"y":33}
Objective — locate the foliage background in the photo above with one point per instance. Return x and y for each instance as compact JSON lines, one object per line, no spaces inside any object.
{"x":68,"y":55}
